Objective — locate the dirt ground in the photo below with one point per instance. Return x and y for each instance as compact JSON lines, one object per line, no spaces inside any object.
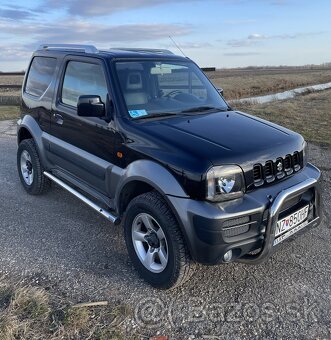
{"x":58,"y":253}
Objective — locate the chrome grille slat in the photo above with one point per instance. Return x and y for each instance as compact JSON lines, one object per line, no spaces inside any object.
{"x":258,"y":175}
{"x":288,"y":164}
{"x":269,"y":171}
{"x":296,"y":161}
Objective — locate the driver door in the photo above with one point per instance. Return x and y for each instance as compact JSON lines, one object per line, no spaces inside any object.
{"x":82,"y":147}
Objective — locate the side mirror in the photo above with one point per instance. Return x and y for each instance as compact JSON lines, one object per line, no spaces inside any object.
{"x":90,"y":106}
{"x":220,"y":91}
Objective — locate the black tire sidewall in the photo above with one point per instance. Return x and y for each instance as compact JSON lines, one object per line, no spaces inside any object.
{"x":29,"y":147}
{"x":165,"y":278}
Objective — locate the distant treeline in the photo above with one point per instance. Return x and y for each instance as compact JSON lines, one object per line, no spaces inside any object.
{"x":12,"y":73}
{"x":208,"y":69}
{"x":308,"y":67}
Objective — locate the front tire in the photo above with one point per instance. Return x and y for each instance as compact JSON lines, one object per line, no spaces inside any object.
{"x":30,"y":169}
{"x":155,"y":243}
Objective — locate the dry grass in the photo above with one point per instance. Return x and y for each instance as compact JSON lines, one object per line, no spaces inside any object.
{"x":28,"y":312}
{"x":10,"y":92}
{"x":310,"y":115}
{"x":9,"y":112}
{"x":242,"y":83}
{"x":11,"y":80}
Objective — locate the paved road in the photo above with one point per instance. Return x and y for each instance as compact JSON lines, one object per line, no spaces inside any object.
{"x":60,"y":242}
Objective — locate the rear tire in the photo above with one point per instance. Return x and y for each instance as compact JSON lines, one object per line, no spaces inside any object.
{"x":155,"y":243}
{"x":30,"y":169}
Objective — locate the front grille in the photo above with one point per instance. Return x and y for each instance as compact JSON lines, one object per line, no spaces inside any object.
{"x":235,"y":231}
{"x":272,"y":170}
{"x":235,"y":222}
{"x":236,"y":226}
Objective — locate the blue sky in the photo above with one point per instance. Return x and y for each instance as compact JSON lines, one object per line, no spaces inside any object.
{"x":221,"y":33}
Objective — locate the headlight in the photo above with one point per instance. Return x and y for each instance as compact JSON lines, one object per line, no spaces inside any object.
{"x":305,"y":154}
{"x":225,"y":183}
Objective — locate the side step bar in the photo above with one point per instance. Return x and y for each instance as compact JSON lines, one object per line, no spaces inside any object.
{"x":109,"y":216}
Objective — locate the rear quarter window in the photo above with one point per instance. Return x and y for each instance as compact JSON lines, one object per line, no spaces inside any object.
{"x":40,"y":75}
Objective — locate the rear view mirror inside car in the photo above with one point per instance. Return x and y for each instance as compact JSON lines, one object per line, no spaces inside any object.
{"x":161,"y":70}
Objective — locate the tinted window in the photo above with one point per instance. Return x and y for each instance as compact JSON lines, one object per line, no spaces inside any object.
{"x":40,"y":75}
{"x":83,"y":79}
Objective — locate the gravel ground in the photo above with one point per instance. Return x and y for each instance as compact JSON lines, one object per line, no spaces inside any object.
{"x":59,"y":242}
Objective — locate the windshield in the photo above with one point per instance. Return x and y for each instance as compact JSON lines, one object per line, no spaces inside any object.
{"x":152,"y":88}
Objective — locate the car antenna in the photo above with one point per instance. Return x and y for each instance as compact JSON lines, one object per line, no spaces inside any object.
{"x":177,"y":46}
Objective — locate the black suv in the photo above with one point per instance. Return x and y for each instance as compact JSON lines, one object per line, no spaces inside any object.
{"x":142,"y":136}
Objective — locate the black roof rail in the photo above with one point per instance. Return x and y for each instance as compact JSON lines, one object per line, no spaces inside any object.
{"x":69,"y":47}
{"x":142,"y":50}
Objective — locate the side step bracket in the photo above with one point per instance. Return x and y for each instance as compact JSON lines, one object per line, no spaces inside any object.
{"x":109,"y":216}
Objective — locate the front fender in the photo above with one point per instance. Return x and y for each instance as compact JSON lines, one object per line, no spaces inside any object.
{"x":151,"y":173}
{"x":31,"y":125}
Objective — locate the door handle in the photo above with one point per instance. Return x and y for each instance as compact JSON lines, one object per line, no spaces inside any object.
{"x":58,"y":118}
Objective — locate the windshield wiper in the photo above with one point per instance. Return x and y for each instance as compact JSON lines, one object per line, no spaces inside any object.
{"x":161,"y":114}
{"x":203,"y":108}
{"x":182,"y":113}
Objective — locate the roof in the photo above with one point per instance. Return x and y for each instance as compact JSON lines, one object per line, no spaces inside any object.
{"x":120,"y":52}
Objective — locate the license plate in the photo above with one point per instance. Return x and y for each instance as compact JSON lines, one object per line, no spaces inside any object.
{"x":291,"y":224}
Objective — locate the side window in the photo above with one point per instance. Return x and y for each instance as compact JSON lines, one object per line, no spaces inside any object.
{"x":40,"y":75}
{"x":83,"y":78}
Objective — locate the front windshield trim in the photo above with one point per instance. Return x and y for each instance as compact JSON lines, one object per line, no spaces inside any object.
{"x":187,"y":67}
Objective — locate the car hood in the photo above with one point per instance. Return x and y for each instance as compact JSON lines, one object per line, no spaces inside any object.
{"x":231,"y":137}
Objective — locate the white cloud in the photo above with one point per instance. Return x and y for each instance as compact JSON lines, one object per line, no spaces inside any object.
{"x":240,"y":54}
{"x":15,"y":14}
{"x":102,"y":8}
{"x":83,"y":31}
{"x":188,"y":45}
{"x":9,"y":53}
{"x":257,"y":38}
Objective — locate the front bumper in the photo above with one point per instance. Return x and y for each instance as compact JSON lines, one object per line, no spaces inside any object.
{"x":246,"y":225}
